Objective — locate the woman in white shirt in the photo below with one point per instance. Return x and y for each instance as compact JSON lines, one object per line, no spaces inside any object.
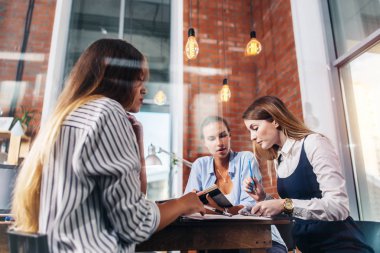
{"x":310,"y":180}
{"x":84,"y":180}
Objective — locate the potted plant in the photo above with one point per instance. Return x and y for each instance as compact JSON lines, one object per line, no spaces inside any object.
{"x":24,"y":119}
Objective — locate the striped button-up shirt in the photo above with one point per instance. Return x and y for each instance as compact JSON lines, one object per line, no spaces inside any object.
{"x":90,"y":193}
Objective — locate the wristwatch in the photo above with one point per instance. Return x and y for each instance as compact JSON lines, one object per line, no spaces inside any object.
{"x":288,"y":206}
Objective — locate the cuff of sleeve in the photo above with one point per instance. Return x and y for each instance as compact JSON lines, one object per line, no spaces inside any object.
{"x":156,"y":215}
{"x":268,"y":197}
{"x":299,"y":212}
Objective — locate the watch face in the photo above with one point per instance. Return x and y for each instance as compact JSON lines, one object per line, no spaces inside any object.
{"x":288,"y":205}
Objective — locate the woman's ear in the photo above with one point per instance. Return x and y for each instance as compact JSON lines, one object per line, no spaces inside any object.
{"x":276,"y":125}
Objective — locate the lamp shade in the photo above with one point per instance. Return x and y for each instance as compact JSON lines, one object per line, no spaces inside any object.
{"x":152,"y":158}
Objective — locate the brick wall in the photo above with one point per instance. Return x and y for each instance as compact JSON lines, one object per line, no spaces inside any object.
{"x":31,"y":88}
{"x":273,"y":72}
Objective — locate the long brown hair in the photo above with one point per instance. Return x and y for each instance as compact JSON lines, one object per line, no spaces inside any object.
{"x":271,"y":109}
{"x":107,"y":68}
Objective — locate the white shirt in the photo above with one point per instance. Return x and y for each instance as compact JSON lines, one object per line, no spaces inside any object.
{"x":334,"y":203}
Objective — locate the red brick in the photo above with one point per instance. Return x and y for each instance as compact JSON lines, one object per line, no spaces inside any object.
{"x":273,"y":72}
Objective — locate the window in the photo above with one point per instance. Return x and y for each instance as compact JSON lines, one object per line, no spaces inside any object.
{"x":353,"y":21}
{"x":24,"y":55}
{"x":146,"y":25}
{"x":356,"y":29}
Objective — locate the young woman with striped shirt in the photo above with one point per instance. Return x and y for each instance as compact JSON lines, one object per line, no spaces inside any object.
{"x":84,"y":179}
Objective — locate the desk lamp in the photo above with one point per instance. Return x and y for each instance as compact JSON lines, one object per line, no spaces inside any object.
{"x":152,"y":158}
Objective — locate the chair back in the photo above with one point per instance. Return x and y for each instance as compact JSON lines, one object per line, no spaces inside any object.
{"x":371,"y":231}
{"x":286,"y":234}
{"x":20,"y":242}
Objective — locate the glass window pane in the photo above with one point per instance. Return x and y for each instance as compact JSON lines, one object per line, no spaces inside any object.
{"x":146,"y":25}
{"x":24,"y":55}
{"x":361,"y":87}
{"x":352,"y":21}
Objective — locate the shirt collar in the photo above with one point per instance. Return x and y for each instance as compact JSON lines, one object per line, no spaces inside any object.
{"x":231,"y":163}
{"x":287,"y":147}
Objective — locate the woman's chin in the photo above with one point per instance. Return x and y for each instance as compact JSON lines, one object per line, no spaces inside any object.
{"x":263,"y":146}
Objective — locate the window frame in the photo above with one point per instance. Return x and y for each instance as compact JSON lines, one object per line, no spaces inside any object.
{"x":320,"y":85}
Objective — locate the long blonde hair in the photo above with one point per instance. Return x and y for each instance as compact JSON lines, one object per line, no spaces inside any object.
{"x":107,"y":68}
{"x":271,"y":109}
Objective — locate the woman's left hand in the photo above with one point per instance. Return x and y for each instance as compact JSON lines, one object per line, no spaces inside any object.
{"x":268,"y":207}
{"x":212,"y":203}
{"x":254,"y":189}
{"x":137,"y":127}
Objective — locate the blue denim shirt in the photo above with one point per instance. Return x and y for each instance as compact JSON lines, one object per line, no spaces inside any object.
{"x":202,"y":175}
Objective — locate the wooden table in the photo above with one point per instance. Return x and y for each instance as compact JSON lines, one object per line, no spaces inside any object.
{"x":254,"y":235}
{"x":200,"y":234}
{"x":4,"y":237}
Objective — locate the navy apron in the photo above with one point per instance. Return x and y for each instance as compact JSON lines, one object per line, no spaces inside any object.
{"x":312,"y":236}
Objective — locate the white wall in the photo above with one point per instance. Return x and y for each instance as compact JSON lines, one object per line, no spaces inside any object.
{"x":177,"y":88}
{"x":57,"y":57}
{"x":320,"y":88}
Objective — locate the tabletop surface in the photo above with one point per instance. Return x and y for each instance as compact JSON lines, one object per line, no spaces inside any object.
{"x":190,"y":234}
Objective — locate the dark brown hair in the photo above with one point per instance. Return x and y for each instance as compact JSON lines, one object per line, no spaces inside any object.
{"x":108,"y":67}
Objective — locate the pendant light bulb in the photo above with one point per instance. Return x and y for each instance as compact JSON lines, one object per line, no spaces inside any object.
{"x":225,"y":92}
{"x":191,"y":48}
{"x":254,"y":46}
{"x":160,"y":97}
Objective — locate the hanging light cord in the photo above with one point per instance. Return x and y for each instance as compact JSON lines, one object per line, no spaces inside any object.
{"x":224,"y":41}
{"x":190,"y":13}
{"x":251,"y":11}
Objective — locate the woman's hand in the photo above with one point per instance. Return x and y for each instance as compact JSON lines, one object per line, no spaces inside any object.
{"x":212,"y":203}
{"x":269,"y":207}
{"x":190,"y":203}
{"x":258,"y":192}
{"x":232,"y":210}
{"x":137,"y":127}
{"x":185,"y":205}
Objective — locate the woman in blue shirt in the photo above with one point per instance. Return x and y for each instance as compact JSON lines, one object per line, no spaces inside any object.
{"x":227,"y":169}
